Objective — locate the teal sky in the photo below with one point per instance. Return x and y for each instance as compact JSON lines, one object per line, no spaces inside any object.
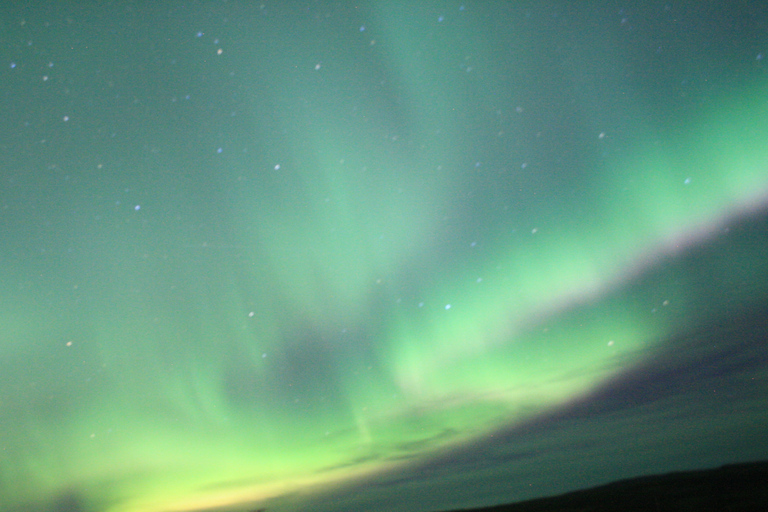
{"x":386,"y":255}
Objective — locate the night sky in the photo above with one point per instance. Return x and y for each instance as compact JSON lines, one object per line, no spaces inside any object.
{"x":383,"y":256}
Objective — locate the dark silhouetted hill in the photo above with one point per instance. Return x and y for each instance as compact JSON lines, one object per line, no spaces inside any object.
{"x":732,"y":488}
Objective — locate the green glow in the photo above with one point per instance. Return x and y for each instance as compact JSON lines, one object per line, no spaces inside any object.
{"x":334,"y":308}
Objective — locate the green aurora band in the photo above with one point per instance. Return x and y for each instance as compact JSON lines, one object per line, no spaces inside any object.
{"x":336,"y":307}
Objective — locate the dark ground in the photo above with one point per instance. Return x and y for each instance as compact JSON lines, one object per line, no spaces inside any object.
{"x":732,"y":488}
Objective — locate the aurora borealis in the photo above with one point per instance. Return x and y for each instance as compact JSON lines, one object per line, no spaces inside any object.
{"x":340,"y":256}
